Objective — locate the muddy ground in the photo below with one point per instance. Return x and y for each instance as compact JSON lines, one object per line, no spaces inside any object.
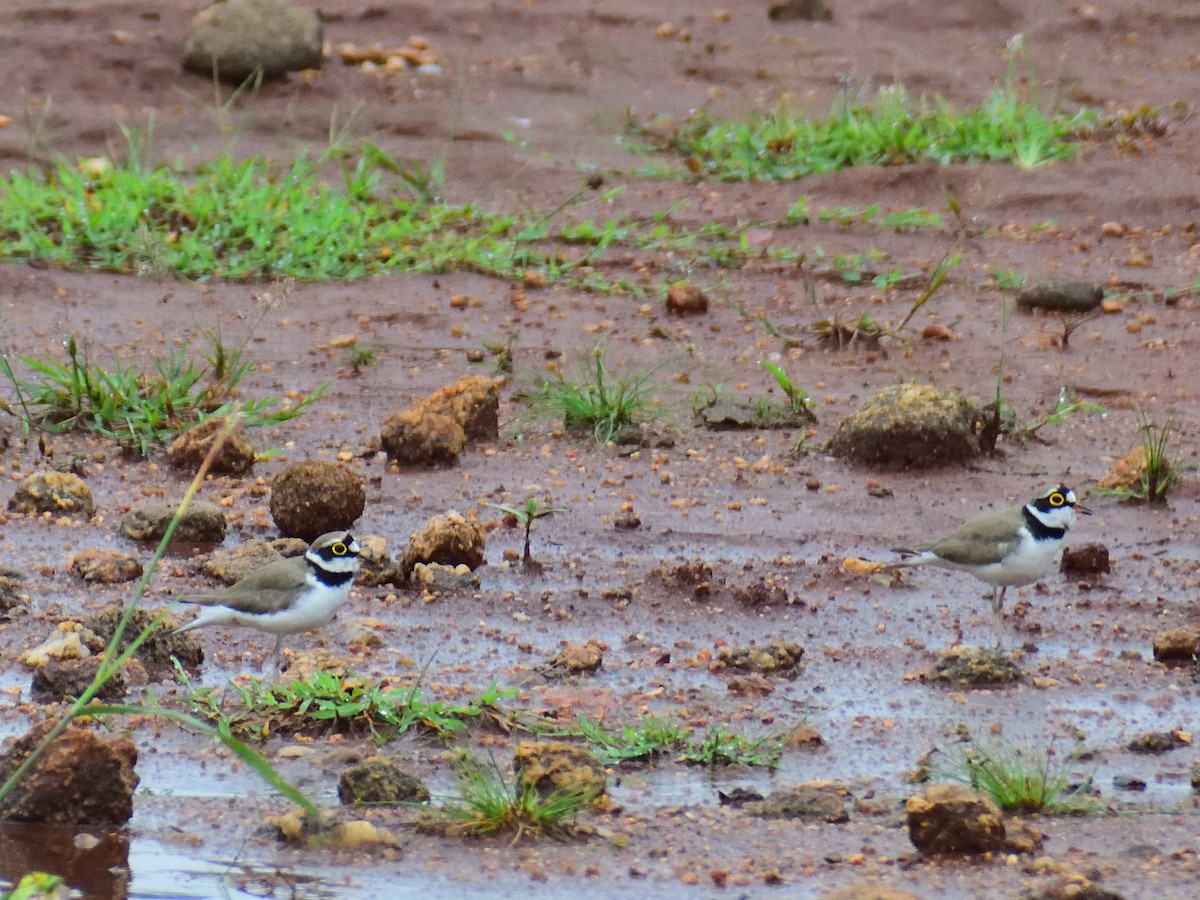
{"x":560,"y":76}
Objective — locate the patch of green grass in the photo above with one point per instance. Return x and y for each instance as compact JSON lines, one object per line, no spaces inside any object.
{"x":487,"y":804}
{"x":597,"y":401}
{"x":724,"y":748}
{"x":249,"y":218}
{"x":902,"y":220}
{"x":37,"y":886}
{"x":798,"y":398}
{"x":895,"y":130}
{"x":141,"y":407}
{"x":649,"y":739}
{"x":329,"y":702}
{"x":360,"y":356}
{"x":1021,"y":780}
{"x":1160,"y":470}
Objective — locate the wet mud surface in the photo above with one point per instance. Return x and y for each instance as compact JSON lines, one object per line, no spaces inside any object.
{"x":765,"y":521}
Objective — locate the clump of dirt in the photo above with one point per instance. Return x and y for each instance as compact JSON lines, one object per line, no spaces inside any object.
{"x":311,"y":498}
{"x":232,"y":565}
{"x":85,"y":777}
{"x":156,"y":651}
{"x":375,"y":566}
{"x":63,"y":678}
{"x":52,"y":492}
{"x":434,"y":430}
{"x":378,"y":780}
{"x":1061,"y":296}
{"x":909,"y":426}
{"x":969,"y":666}
{"x":1090,"y":559}
{"x":555,"y":765}
{"x":824,"y":801}
{"x":203,"y":522}
{"x":575,"y":659}
{"x":1177,"y":644}
{"x":104,"y":566}
{"x":236,"y":456}
{"x":949,"y":819}
{"x":451,"y":539}
{"x":777,"y":656}
{"x":12,"y":599}
{"x":1153,"y":742}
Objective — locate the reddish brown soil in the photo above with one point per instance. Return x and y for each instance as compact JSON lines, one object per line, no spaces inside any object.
{"x":560,"y":76}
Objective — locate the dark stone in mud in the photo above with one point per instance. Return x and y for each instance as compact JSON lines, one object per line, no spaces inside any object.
{"x":575,"y":659}
{"x":52,"y":492}
{"x":1177,"y":645}
{"x":969,"y":666}
{"x":232,"y":565}
{"x":949,"y":819}
{"x":821,"y":800}
{"x":727,"y":414}
{"x":1129,"y":783}
{"x":777,"y":656}
{"x":738,"y":795}
{"x":909,"y":426}
{"x":203,"y":523}
{"x":555,"y":765}
{"x":313,"y":497}
{"x":627,"y":521}
{"x":241,"y":37}
{"x":156,"y":651}
{"x":377,"y":780}
{"x":84,"y":778}
{"x":1153,"y":742}
{"x":1061,"y":296}
{"x":12,"y":600}
{"x":63,"y":678}
{"x":451,"y":539}
{"x":104,"y":566}
{"x":685,"y":299}
{"x":801,"y":11}
{"x":1090,"y":559}
{"x":235,"y":457}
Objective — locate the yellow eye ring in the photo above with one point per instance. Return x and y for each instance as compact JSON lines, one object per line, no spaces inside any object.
{"x":339,"y":549}
{"x":1057,"y":499}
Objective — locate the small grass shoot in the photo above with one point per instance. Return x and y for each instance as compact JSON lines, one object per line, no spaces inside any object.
{"x":725,"y":748}
{"x":526,"y":515}
{"x":648,"y":740}
{"x":488,"y":804}
{"x":1021,"y":780}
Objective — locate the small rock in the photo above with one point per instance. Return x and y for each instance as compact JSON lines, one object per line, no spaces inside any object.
{"x":451,"y":539}
{"x":1090,"y":559}
{"x":377,"y":780}
{"x":1129,"y":783}
{"x":576,"y":659}
{"x":1061,"y":296}
{"x":969,"y":666}
{"x":376,"y":567}
{"x":64,"y":678}
{"x":235,"y":457}
{"x":473,"y":401}
{"x":313,"y":497}
{"x":419,"y":438}
{"x":1021,"y":836}
{"x":1177,"y":645}
{"x":949,"y":819}
{"x":329,"y":833}
{"x":203,"y":523}
{"x":804,"y":736}
{"x":447,"y":579}
{"x":156,"y":651}
{"x":685,"y":299}
{"x":554,"y":765}
{"x":736,"y":796}
{"x":824,"y":801}
{"x":909,"y":426}
{"x":52,"y":492}
{"x":240,"y":37}
{"x":85,"y":777}
{"x":232,"y":565}
{"x":104,"y":566}
{"x":627,"y":521}
{"x":728,"y":414}
{"x":777,"y":656}
{"x":1152,"y":742}
{"x":1126,"y":473}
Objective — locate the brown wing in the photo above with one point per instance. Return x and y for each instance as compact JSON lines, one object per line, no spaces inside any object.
{"x":985,"y":539}
{"x":264,"y":590}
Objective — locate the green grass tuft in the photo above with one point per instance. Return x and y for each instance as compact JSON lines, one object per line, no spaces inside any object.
{"x":1021,"y":780}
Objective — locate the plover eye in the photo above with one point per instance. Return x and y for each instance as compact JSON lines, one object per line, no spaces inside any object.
{"x":1056,"y":499}
{"x":339,"y":549}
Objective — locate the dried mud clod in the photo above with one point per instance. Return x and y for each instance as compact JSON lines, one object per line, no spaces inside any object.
{"x":328,"y":832}
{"x":451,"y":539}
{"x":684,"y":299}
{"x":729,"y":414}
{"x":376,"y":566}
{"x":52,"y":492}
{"x":823,"y":801}
{"x":949,"y":819}
{"x":63,"y":678}
{"x":203,"y":522}
{"x":777,"y":656}
{"x":1090,"y":559}
{"x":554,"y":765}
{"x":85,"y":777}
{"x":909,"y":426}
{"x":433,"y":431}
{"x":316,"y":496}
{"x":801,"y":11}
{"x":13,"y":601}
{"x":761,"y":595}
{"x":104,"y":566}
{"x":1126,"y":473}
{"x":1061,"y":296}
{"x":969,"y":666}
{"x":694,"y":575}
{"x":235,"y":457}
{"x":232,"y":565}
{"x":1154,"y":742}
{"x":378,"y":780}
{"x":1177,"y":645}
{"x":241,"y":37}
{"x":575,"y":659}
{"x":156,"y":651}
